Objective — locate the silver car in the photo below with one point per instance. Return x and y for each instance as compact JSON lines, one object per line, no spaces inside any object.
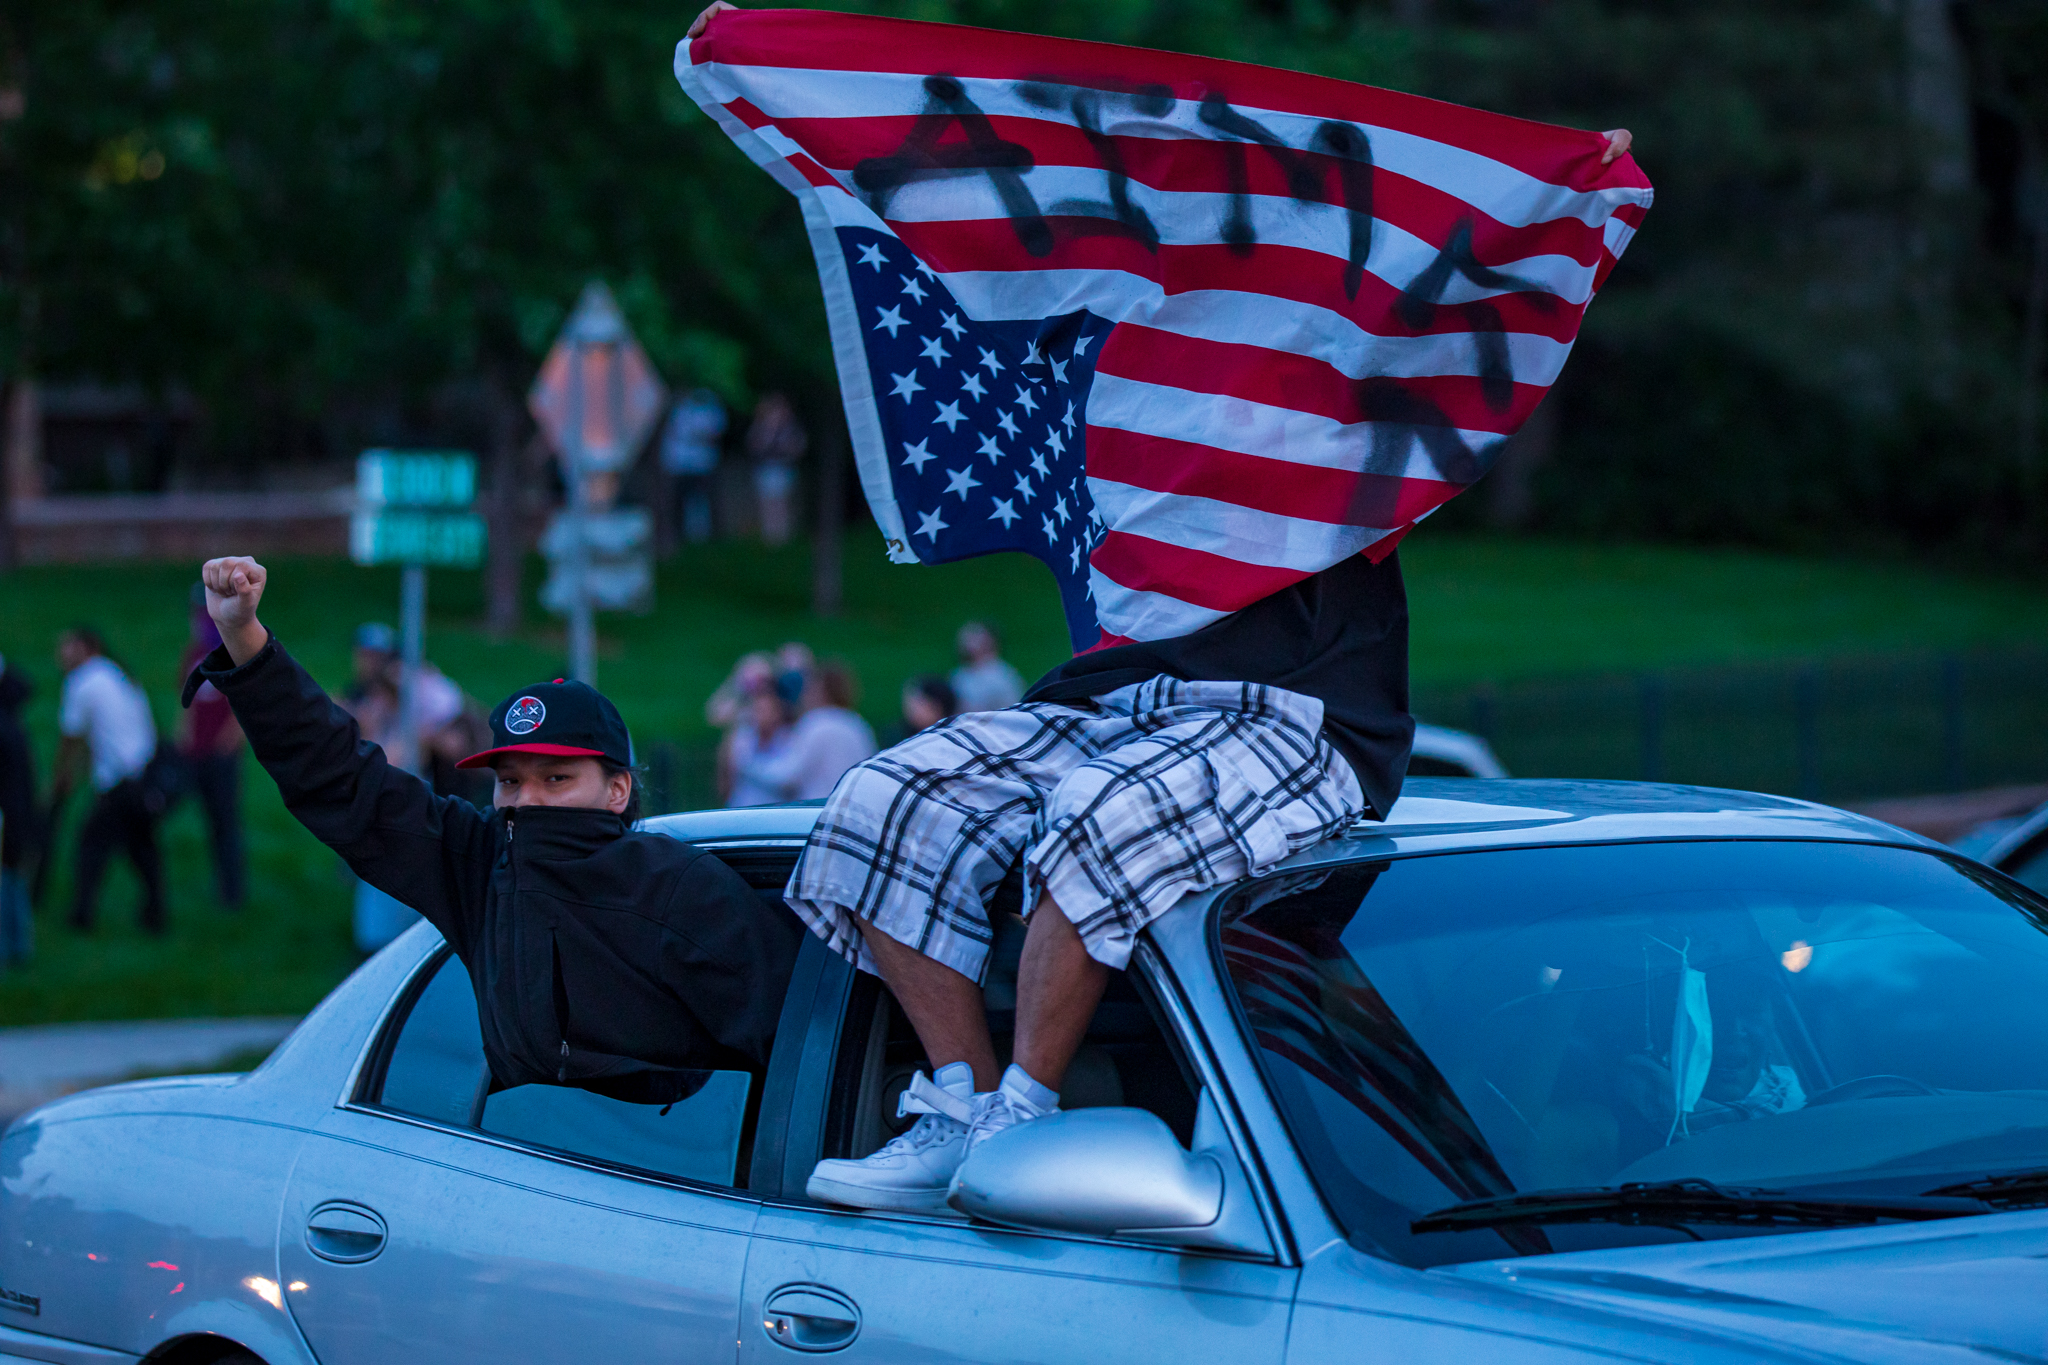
{"x":1534,"y":1071}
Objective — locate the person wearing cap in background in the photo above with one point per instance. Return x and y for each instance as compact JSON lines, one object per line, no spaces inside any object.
{"x":621,"y":962}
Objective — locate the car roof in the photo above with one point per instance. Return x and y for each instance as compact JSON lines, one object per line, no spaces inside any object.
{"x":1441,"y":815}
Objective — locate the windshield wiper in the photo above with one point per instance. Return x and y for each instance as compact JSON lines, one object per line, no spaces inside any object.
{"x":1668,"y":1203}
{"x":2013,"y":1190}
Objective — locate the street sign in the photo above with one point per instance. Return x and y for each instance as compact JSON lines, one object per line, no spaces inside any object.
{"x":410,"y":509}
{"x":597,"y":397}
{"x":618,"y":572}
{"x":416,"y":478}
{"x":416,"y":535}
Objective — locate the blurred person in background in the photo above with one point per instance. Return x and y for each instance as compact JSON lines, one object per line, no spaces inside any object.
{"x":761,"y":740}
{"x":983,"y":681}
{"x":20,"y":822}
{"x":106,"y":726}
{"x":926,"y":702}
{"x":210,"y":744}
{"x":828,"y":738}
{"x":775,"y":442}
{"x":371,"y":695}
{"x":689,"y":455}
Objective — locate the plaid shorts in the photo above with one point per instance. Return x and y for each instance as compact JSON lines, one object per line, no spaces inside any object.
{"x":1118,"y":808}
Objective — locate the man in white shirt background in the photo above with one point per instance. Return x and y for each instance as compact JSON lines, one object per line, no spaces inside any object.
{"x":105,"y":721}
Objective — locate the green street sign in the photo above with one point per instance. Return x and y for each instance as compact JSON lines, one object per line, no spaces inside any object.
{"x":410,"y":535}
{"x":416,"y":478}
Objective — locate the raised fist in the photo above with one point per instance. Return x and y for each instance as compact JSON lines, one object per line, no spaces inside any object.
{"x":234,"y":585}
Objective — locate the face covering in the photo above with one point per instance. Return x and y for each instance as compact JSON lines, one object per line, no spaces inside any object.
{"x":1692,"y":1043}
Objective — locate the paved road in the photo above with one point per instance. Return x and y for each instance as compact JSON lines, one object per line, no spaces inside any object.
{"x":43,"y":1062}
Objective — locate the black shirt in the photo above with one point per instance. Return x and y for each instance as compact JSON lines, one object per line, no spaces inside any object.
{"x":617,"y":961}
{"x":1340,"y":636}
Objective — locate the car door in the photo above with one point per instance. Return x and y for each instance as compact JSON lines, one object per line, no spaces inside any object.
{"x":879,"y":1287}
{"x":429,"y":1221}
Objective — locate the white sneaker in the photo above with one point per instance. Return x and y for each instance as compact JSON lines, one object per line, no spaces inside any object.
{"x":1017,"y":1100}
{"x":912,"y":1172}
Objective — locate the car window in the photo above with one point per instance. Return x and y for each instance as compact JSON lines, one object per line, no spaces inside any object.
{"x":2031,"y":868}
{"x":437,"y":1062}
{"x":1839,"y":1019}
{"x":436,"y":1070}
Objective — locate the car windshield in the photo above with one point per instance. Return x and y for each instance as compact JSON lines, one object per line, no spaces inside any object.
{"x":1836,"y":1020}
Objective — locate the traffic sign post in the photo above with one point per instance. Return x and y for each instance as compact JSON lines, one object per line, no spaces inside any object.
{"x":596,"y":399}
{"x":412,"y":510}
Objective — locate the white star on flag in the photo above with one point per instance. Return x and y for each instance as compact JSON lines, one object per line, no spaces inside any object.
{"x":951,"y":324}
{"x":871,"y":254}
{"x":950,"y":414}
{"x":1024,"y":488}
{"x":988,"y":358}
{"x":1057,"y":443}
{"x":1081,"y":347}
{"x":1074,"y":557}
{"x":960,"y":480}
{"x":1059,"y":509}
{"x":1052,"y":537}
{"x":916,"y":455}
{"x":891,"y":320}
{"x":934,"y":349}
{"x":990,"y":449}
{"x":970,"y":382}
{"x":913,"y":288}
{"x":1059,"y":371}
{"x":1007,"y":423}
{"x":1026,"y":401}
{"x":926,"y":271}
{"x":1068,"y":420}
{"x":1006,"y":512}
{"x":906,"y":385}
{"x":1038,"y":463}
{"x":1032,"y":355}
{"x":929,"y":525}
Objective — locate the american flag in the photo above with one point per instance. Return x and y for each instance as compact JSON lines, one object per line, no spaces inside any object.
{"x":1187,"y":330}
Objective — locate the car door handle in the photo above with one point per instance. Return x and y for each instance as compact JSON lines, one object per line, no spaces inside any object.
{"x":344,"y":1232}
{"x":810,"y":1317}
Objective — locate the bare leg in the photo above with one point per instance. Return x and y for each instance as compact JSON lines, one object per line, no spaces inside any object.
{"x":944,"y":1007}
{"x":1058,"y":987}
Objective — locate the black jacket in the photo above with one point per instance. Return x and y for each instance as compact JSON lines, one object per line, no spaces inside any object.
{"x":18,"y":815}
{"x":603,"y":958}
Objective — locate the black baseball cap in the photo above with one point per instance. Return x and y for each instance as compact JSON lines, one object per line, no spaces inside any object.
{"x":566,"y":719}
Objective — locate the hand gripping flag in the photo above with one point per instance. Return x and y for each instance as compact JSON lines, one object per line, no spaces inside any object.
{"x":1187,"y":330}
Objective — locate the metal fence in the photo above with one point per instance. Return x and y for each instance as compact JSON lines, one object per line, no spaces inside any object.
{"x":1845,"y":729}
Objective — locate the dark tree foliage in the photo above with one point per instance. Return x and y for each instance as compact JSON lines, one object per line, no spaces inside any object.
{"x":326,"y":217}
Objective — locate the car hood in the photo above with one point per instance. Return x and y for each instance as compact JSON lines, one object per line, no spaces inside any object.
{"x":1980,"y":1283}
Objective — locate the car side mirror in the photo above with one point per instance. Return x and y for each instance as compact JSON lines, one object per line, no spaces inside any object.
{"x":1120,"y":1173}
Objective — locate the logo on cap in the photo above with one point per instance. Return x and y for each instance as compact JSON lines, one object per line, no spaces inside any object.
{"x":524,"y":716}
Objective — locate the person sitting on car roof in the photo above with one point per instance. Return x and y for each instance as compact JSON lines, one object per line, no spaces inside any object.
{"x":620,"y":962}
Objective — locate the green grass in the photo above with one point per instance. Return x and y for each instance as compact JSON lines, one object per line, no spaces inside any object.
{"x":1483,"y":609}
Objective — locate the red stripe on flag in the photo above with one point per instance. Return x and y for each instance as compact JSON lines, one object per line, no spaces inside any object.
{"x":1193,"y":576}
{"x":1335,"y":497}
{"x":818,"y":40}
{"x":1302,"y":383}
{"x":1286,"y":272}
{"x":1210,"y":166}
{"x":747,"y":113}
